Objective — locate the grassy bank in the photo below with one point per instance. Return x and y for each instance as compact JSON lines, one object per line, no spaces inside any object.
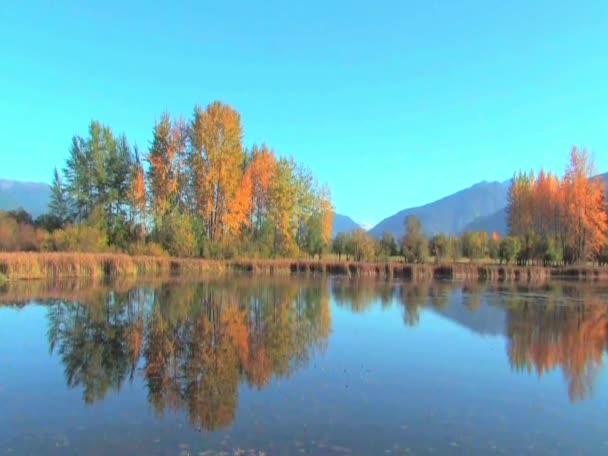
{"x":25,"y":266}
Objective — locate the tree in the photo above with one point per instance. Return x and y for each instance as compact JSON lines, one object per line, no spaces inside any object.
{"x":509,"y":249}
{"x":361,"y":246}
{"x":260,"y":172}
{"x":494,"y":246}
{"x":137,"y":194}
{"x":586,"y":218}
{"x":162,"y":173}
{"x":217,"y":160}
{"x":415,"y":244}
{"x":440,"y":247}
{"x":339,"y":244}
{"x":473,"y":244}
{"x":388,"y":245}
{"x":58,"y":205}
{"x":198,"y":174}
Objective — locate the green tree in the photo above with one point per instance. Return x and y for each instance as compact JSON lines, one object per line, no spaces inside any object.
{"x":440,"y":247}
{"x":339,"y":244}
{"x":388,"y":245}
{"x":415,"y":244}
{"x":58,"y":205}
{"x":509,"y":249}
{"x":473,"y":244}
{"x":361,"y":246}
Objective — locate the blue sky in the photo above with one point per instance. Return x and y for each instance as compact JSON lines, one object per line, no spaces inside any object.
{"x":392,"y":103}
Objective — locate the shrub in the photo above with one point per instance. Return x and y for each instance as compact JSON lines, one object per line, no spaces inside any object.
{"x":81,"y":238}
{"x":176,"y":235}
{"x":509,"y":249}
{"x":147,"y":249}
{"x":9,"y":234}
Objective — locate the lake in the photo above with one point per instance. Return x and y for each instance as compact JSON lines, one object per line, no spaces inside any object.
{"x":263,"y":366}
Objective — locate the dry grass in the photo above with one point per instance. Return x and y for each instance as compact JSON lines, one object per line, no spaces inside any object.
{"x":20,"y":266}
{"x":24,"y":266}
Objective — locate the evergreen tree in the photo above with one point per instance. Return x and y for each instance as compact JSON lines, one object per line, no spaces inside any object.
{"x":58,"y":205}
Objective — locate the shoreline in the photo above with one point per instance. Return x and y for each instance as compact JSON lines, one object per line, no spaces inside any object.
{"x":32,"y":266}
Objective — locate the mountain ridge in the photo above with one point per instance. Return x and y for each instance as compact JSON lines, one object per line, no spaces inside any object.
{"x":452,"y":213}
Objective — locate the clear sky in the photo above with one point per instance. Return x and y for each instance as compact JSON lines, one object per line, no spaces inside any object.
{"x":392,"y":103}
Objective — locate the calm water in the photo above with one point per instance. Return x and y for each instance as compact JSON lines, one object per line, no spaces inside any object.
{"x":244,"y":366}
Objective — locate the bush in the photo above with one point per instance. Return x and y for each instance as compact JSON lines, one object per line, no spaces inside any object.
{"x":551,"y":251}
{"x":176,"y":235}
{"x":509,"y":249}
{"x":146,"y":249}
{"x":9,"y":234}
{"x":81,"y":238}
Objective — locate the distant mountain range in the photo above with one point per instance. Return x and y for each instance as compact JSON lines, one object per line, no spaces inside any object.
{"x":481,"y":207}
{"x":343,"y":224}
{"x":31,"y":196}
{"x":453,"y":214}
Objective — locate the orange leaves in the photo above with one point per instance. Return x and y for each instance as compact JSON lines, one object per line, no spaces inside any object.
{"x":571,"y":213}
{"x":260,"y":173}
{"x":217,"y":156}
{"x":240,"y":207}
{"x":138,"y":190}
{"x":237,"y":330}
{"x":585,"y":209}
{"x":166,"y":158}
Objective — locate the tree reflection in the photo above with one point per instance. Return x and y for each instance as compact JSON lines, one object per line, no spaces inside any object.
{"x":99,"y":345}
{"x":547,"y":335}
{"x":195,"y":343}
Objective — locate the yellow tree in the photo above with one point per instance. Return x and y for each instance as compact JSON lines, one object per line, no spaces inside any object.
{"x":521,"y":209}
{"x":585,"y":209}
{"x":260,"y":172}
{"x":162,"y":175}
{"x":239,"y":211}
{"x":327,"y":216}
{"x":217,"y":164}
{"x":137,"y":192}
{"x":282,"y":208}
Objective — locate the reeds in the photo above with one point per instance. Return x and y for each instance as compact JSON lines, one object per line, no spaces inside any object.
{"x":25,"y":266}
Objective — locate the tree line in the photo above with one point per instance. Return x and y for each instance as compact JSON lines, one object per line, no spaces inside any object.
{"x":415,"y":247}
{"x":196,"y":191}
{"x":552,"y":221}
{"x":560,"y":220}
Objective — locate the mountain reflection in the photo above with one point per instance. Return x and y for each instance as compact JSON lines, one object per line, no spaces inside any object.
{"x":557,"y":326}
{"x":193,"y":344}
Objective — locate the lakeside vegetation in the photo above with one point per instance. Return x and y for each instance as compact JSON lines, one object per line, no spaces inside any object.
{"x":56,"y":265}
{"x":552,"y":222}
{"x":198,"y":193}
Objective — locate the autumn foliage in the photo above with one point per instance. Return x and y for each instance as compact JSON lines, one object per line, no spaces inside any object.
{"x":560,"y":220}
{"x":197,"y":192}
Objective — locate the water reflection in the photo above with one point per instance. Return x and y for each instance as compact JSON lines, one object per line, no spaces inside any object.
{"x":195,"y":344}
{"x":551,"y":326}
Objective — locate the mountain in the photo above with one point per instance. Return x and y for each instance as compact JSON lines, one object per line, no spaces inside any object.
{"x":490,"y":223}
{"x":343,"y":224}
{"x":487,"y":320}
{"x":31,"y":196}
{"x":450,"y":215}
